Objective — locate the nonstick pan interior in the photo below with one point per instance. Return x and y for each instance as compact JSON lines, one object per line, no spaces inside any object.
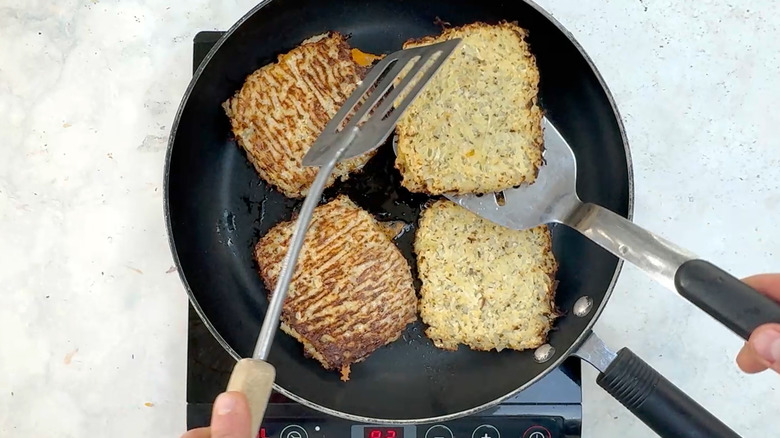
{"x":217,"y":208}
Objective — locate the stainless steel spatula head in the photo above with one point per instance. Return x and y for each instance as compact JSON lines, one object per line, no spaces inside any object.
{"x":550,"y":199}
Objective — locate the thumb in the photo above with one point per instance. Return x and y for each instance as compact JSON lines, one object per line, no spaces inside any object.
{"x":762,"y":350}
{"x":765,"y":342}
{"x":230,"y":417}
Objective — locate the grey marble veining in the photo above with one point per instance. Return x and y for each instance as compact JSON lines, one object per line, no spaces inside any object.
{"x":93,"y":323}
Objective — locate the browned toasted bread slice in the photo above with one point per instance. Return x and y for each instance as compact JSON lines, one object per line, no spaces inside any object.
{"x":283,"y":107}
{"x":352,"y":291}
{"x":476,"y":126}
{"x":483,"y":285}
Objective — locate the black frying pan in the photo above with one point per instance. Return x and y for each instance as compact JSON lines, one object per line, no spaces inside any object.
{"x":217,"y":207}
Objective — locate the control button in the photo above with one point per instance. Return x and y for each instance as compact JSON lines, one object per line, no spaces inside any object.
{"x":439,"y":431}
{"x":486,"y":431}
{"x":295,"y":431}
{"x":537,"y":432}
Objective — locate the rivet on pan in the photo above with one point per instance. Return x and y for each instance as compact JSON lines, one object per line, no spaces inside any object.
{"x":583,"y":305}
{"x":623,"y":249}
{"x":544,"y":353}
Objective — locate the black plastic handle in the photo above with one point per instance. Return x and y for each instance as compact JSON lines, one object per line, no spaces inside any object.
{"x":724,"y":297}
{"x":657,"y":402}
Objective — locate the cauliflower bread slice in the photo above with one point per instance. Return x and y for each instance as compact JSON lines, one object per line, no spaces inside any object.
{"x":476,"y":127}
{"x":283,"y":107}
{"x":352,"y":291}
{"x":483,"y":285}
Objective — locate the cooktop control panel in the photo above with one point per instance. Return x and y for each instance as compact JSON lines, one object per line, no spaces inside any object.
{"x":488,"y":427}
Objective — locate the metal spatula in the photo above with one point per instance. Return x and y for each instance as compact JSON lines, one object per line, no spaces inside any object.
{"x":553,"y":198}
{"x":361,"y":125}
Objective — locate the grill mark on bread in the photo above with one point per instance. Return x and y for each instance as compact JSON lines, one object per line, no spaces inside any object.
{"x":371,"y":287}
{"x":352,"y":291}
{"x":283,"y":107}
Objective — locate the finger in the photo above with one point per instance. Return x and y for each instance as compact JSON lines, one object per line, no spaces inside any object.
{"x":767,"y":284}
{"x":230,"y":417}
{"x":765,"y":341}
{"x":764,"y":347}
{"x":749,"y":361}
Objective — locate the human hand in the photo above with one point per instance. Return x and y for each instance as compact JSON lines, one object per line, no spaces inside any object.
{"x":762,"y":351}
{"x":230,"y":418}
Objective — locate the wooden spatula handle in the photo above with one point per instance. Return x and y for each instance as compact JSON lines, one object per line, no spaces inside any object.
{"x":255,"y":378}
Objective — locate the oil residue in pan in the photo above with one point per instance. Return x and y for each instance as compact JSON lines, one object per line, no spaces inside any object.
{"x":226,"y":228}
{"x":377,"y":188}
{"x":265,"y":206}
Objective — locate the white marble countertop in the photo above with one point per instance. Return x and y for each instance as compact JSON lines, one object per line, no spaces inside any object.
{"x":93,"y":325}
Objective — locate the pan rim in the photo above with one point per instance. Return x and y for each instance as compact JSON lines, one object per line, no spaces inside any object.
{"x":344,"y":415}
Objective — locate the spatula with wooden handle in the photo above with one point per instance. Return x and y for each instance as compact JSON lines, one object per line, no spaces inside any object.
{"x":362,"y":124}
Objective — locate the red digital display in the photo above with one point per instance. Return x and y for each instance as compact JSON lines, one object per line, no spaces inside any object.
{"x":383,"y":432}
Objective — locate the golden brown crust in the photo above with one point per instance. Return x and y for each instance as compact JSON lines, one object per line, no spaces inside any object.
{"x":352,"y":291}
{"x":283,"y":107}
{"x":483,"y":285}
{"x":477,"y":126}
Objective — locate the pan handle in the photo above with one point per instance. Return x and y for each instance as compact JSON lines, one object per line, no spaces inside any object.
{"x":663,"y":407}
{"x":732,"y":302}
